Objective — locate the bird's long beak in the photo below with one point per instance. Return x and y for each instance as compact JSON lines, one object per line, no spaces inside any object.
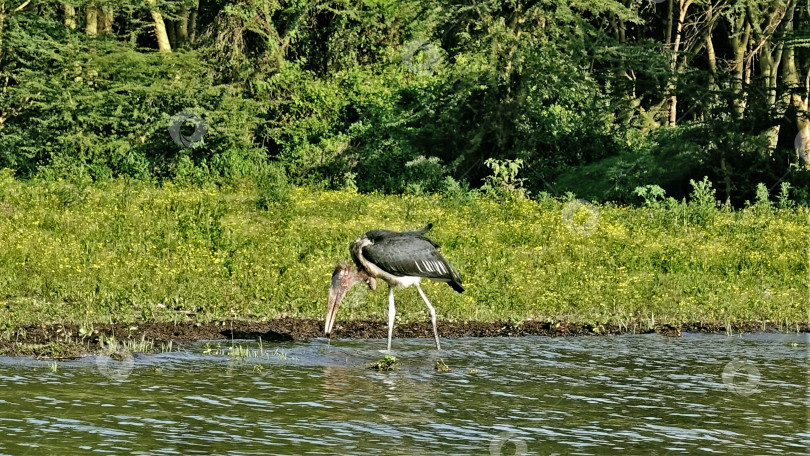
{"x":336,"y":293}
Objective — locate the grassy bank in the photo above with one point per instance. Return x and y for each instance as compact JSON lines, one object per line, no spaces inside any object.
{"x":124,"y":252}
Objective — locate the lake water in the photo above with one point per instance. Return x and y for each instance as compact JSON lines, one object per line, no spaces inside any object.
{"x":630,"y":394}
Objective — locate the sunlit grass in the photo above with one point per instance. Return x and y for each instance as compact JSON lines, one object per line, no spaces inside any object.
{"x":125,"y":252}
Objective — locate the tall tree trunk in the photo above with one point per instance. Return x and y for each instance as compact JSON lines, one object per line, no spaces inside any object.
{"x":170,"y":33}
{"x":181,"y":32}
{"x":2,"y":22}
{"x":770,"y":58}
{"x":160,"y":28}
{"x":739,"y":44}
{"x":803,"y":146}
{"x":70,"y":15}
{"x":91,"y":17}
{"x":668,"y":26}
{"x":192,"y":21}
{"x":105,"y":19}
{"x":798,"y":101}
{"x":683,"y":6}
{"x":710,"y":54}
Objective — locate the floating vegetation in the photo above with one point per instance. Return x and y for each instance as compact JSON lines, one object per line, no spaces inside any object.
{"x":441,"y":366}
{"x":387,"y":364}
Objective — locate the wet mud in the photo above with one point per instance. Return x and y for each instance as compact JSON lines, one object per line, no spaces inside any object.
{"x":64,"y":341}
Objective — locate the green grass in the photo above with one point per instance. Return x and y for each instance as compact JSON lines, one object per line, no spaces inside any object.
{"x":243,"y":351}
{"x":126,"y":252}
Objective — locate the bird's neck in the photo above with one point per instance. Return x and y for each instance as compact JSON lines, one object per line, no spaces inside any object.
{"x":356,"y":250}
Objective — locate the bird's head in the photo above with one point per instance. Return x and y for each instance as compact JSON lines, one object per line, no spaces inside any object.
{"x":343,"y":279}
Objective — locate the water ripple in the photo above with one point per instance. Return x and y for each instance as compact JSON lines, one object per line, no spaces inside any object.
{"x":580,"y":395}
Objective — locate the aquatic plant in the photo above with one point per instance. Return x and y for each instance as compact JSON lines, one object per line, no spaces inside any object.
{"x":388,"y":363}
{"x":441,"y":366}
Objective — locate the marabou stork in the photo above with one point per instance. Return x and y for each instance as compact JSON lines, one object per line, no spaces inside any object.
{"x":401,"y":258}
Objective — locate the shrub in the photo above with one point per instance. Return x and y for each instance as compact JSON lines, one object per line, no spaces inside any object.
{"x":272,"y":187}
{"x":504,"y":183}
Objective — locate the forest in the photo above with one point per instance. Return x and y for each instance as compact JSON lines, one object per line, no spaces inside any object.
{"x":595,"y":98}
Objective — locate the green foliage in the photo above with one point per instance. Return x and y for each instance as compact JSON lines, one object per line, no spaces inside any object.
{"x":272,"y":187}
{"x":652,"y":195}
{"x":783,"y":199}
{"x":423,"y":174}
{"x":703,"y":195}
{"x":504,"y":183}
{"x":398,"y":95}
{"x":456,"y":192}
{"x":762,"y":201}
{"x":386,"y":364}
{"x":703,"y":204}
{"x":102,"y":110}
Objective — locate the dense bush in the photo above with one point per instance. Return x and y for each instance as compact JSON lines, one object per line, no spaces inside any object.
{"x":398,"y":96}
{"x":101,"y":109}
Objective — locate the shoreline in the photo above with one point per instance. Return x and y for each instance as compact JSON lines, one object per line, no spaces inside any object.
{"x":64,"y":341}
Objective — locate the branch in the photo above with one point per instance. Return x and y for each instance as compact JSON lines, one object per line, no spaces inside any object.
{"x":19,"y":8}
{"x":765,"y":35}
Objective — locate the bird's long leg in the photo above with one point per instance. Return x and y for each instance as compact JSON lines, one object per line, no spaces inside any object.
{"x":391,"y":314}
{"x":432,"y":315}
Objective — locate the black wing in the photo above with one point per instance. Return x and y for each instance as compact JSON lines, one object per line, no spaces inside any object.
{"x":410,"y":254}
{"x":379,"y":235}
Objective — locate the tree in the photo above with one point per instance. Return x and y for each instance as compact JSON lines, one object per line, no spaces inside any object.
{"x":160,"y":28}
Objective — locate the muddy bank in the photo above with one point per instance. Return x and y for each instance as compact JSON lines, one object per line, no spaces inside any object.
{"x":59,"y":341}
